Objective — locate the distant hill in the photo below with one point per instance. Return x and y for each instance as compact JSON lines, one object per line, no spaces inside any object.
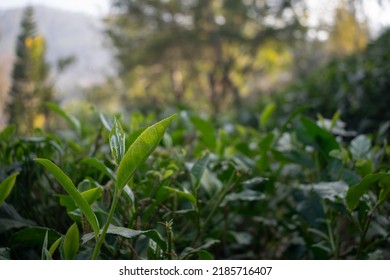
{"x":66,"y":34}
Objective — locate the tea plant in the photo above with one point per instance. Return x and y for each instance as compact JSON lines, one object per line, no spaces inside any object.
{"x":195,"y":188}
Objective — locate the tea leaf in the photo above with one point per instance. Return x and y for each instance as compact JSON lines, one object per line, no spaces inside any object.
{"x":70,"y":188}
{"x":309,"y":133}
{"x":54,"y":246}
{"x":140,"y":150}
{"x":186,"y":195}
{"x":6,"y":187}
{"x":384,"y":183}
{"x":198,"y":169}
{"x":360,"y":147}
{"x":90,"y":196}
{"x":71,"y":242}
{"x":131,"y":233}
{"x":45,"y":255}
{"x":357,"y":191}
{"x":206,"y":130}
{"x":100,"y":166}
{"x":267,"y":113}
{"x":117,"y":141}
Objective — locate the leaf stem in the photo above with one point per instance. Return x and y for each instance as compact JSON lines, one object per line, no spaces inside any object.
{"x":365,"y":230}
{"x":102,"y":236}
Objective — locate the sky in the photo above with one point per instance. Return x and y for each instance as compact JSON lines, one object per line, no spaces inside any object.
{"x":92,"y":7}
{"x":378,"y":16}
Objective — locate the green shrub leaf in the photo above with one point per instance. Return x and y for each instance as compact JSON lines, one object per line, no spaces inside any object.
{"x":117,"y":141}
{"x":131,"y":233}
{"x":384,"y":183}
{"x":198,"y":169}
{"x":6,"y":187}
{"x":355,"y":192}
{"x":140,"y":150}
{"x":267,"y":113}
{"x":184,"y":194}
{"x":360,"y":147}
{"x":71,"y":242}
{"x":70,"y":188}
{"x":207,"y":133}
{"x":90,"y":196}
{"x":100,"y":166}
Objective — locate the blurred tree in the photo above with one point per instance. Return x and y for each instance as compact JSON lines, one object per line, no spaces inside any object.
{"x":197,"y":50}
{"x":30,"y":88}
{"x":347,"y":34}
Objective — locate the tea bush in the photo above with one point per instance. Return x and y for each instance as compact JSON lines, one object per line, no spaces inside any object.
{"x":188,"y":187}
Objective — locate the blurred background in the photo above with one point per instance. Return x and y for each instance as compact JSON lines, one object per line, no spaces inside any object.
{"x":215,"y":57}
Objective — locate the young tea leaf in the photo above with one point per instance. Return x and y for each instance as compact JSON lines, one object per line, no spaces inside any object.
{"x":186,"y":195}
{"x":71,"y":242}
{"x":70,"y":188}
{"x":6,"y":187}
{"x":117,"y":141}
{"x":54,"y":246}
{"x":140,"y":150}
{"x":266,"y":114}
{"x":100,"y":166}
{"x":90,"y":196}
{"x":355,"y":192}
{"x":198,"y":169}
{"x":45,"y":254}
{"x":207,"y":133}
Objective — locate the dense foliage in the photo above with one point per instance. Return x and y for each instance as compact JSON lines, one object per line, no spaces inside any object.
{"x":211,"y":189}
{"x":357,"y":85}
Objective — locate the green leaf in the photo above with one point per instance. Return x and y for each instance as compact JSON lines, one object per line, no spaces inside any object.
{"x":267,"y":113}
{"x":100,"y":166}
{"x":198,"y":169}
{"x":186,"y":195}
{"x":355,"y":192}
{"x":117,"y":141}
{"x":360,"y":147}
{"x":131,"y":233}
{"x":7,"y":132}
{"x":33,"y":236}
{"x":6,"y":187}
{"x":90,"y":196}
{"x":69,"y":118}
{"x":190,"y":251}
{"x":71,"y":242}
{"x":207,"y":133}
{"x":69,"y":187}
{"x":140,"y":150}
{"x":384,"y":183}
{"x":45,"y":255}
{"x":107,"y":122}
{"x":55,"y":245}
{"x":309,"y":133}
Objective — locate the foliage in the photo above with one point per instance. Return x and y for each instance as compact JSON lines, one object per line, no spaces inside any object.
{"x":195,"y":188}
{"x":357,"y":85}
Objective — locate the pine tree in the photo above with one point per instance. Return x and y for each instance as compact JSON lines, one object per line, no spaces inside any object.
{"x":30,"y":88}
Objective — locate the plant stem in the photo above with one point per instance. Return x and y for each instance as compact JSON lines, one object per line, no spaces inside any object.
{"x":364,"y":232}
{"x":99,"y":243}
